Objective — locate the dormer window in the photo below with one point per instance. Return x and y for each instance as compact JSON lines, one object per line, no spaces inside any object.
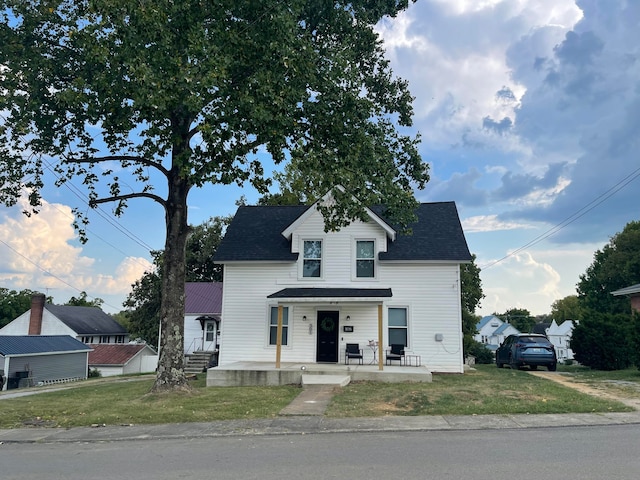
{"x":365,"y":258}
{"x":312,"y":259}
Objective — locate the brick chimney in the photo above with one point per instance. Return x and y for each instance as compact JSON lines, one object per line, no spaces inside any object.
{"x":37,"y":309}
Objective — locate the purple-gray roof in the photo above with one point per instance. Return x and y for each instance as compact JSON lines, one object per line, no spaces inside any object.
{"x":203,"y":298}
{"x":255,"y":234}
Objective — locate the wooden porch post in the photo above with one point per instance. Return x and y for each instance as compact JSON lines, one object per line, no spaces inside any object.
{"x":380,"y":349}
{"x":279,"y":337}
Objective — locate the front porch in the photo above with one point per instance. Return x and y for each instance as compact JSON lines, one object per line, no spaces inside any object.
{"x":266,"y":374}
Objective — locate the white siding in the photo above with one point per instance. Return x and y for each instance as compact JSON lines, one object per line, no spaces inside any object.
{"x":192,"y":334}
{"x":430,"y":292}
{"x":50,"y":325}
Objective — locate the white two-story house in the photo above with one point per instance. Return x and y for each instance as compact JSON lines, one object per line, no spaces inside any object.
{"x":364,"y":283}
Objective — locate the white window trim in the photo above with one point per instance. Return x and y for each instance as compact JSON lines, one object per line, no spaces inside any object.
{"x":409,"y":335}
{"x":354,"y":261}
{"x":268,"y":327}
{"x":302,"y":259}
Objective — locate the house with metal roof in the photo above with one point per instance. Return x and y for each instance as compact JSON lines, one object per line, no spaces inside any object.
{"x":86,"y":324}
{"x":30,"y":360}
{"x":122,"y":359}
{"x":297,"y":294}
{"x":202,"y":316}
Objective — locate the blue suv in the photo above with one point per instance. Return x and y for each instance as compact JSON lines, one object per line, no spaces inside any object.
{"x":527,"y":349}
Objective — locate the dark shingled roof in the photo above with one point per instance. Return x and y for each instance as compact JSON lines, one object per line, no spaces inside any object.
{"x":331,"y":292}
{"x":436,"y":236}
{"x":86,"y":320}
{"x":31,"y":344}
{"x":255,"y":234}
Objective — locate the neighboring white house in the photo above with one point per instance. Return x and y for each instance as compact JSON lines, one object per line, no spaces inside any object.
{"x":87,"y":324}
{"x":202,"y":313}
{"x":340,"y":287}
{"x":492,"y":331}
{"x":115,"y":359}
{"x":560,"y":337}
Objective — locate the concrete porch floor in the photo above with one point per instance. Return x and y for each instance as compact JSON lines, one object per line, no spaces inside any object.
{"x":266,"y":373}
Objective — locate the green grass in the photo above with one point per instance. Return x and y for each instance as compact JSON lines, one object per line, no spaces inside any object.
{"x":487,"y":390}
{"x":118,"y":403}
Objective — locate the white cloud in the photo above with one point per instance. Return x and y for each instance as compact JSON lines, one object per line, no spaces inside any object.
{"x":534,"y":279}
{"x":42,"y":253}
{"x":489,"y":223}
{"x":520,"y":281}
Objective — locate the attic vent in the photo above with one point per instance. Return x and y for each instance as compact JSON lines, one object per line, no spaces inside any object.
{"x":494,"y":324}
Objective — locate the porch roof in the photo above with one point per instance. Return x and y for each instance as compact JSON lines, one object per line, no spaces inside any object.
{"x":332,"y":294}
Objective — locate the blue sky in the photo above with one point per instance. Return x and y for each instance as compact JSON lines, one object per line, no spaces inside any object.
{"x":529,"y":112}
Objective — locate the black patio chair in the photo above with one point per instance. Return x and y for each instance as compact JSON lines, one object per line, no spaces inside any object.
{"x":353,"y":351}
{"x":395,"y":352}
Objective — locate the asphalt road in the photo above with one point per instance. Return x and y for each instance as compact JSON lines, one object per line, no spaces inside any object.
{"x":597,"y":452}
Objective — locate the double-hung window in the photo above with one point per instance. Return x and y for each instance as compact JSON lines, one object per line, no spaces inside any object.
{"x":312,"y":259}
{"x":398,"y":326}
{"x":365,"y":261}
{"x":273,"y":326}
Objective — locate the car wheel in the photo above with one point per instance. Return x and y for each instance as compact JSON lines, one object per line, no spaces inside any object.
{"x":551,"y":367}
{"x":533,"y":367}
{"x":514,"y":366}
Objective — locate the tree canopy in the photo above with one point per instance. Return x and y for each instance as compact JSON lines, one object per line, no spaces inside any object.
{"x":82,"y":301}
{"x":13,"y":304}
{"x":567,"y":308}
{"x":616,"y":266}
{"x":520,"y":318}
{"x":152,"y":101}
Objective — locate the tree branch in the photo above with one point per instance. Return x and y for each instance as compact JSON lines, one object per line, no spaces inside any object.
{"x":122,"y":158}
{"x":156,"y":198}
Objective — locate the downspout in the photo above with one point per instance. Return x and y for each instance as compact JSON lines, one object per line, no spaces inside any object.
{"x":279,"y":337}
{"x":380,"y":344}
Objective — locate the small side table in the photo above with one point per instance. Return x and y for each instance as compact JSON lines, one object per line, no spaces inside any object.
{"x":374,"y":348}
{"x":409,"y":359}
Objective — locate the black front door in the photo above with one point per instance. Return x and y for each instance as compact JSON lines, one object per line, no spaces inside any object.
{"x":327,"y":336}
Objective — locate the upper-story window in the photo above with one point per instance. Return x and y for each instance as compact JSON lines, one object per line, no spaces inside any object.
{"x":312,"y":259}
{"x":365,"y":258}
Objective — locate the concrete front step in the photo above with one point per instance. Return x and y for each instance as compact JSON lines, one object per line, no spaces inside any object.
{"x":340,"y":380}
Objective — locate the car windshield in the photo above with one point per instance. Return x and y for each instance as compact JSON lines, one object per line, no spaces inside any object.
{"x":532,"y":340}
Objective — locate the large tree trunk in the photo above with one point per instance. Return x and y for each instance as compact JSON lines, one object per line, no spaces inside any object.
{"x":170,"y":375}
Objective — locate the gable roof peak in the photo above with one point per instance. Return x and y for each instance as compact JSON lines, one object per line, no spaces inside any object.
{"x":327,"y":199}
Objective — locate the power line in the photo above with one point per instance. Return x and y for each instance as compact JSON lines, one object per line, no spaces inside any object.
{"x":47,"y":272}
{"x":572,"y":218}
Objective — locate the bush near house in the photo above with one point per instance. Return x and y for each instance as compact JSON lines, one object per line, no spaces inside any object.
{"x":482,"y":354}
{"x":605,"y":341}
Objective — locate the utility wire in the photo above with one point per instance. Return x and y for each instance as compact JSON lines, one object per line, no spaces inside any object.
{"x":572,"y":218}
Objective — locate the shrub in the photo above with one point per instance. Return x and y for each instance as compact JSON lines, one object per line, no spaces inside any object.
{"x":481,"y":352}
{"x":604,"y":341}
{"x":94,"y":373}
